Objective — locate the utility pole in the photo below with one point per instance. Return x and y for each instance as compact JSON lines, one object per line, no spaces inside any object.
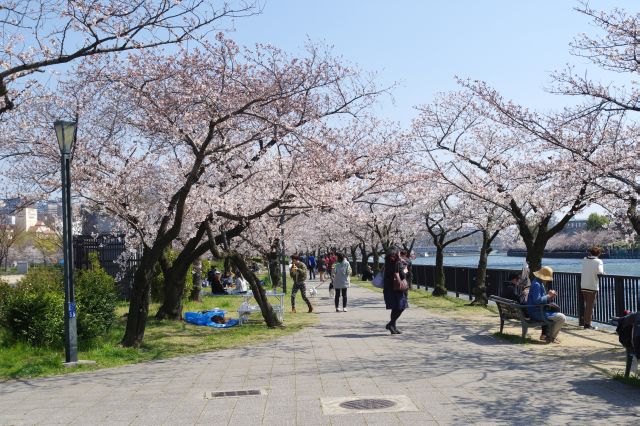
{"x":282,"y":253}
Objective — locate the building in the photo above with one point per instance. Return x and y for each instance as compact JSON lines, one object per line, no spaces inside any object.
{"x":26,"y":218}
{"x":95,"y":222}
{"x":49,"y":211}
{"x":575,"y":225}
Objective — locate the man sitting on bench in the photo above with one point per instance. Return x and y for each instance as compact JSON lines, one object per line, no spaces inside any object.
{"x":539,"y":296}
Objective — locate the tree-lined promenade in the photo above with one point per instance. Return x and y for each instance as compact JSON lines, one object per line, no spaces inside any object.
{"x":201,"y":147}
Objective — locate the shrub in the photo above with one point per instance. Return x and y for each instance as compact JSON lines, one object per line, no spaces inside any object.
{"x":43,"y":279}
{"x":96,"y":298}
{"x":206,"y":266}
{"x":5,"y":294}
{"x":33,"y":310}
{"x":35,"y":316}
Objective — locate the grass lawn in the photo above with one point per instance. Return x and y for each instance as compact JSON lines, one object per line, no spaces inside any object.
{"x":632,"y":380}
{"x":163,"y":339}
{"x":443,"y":305}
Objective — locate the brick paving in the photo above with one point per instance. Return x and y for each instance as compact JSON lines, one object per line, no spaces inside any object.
{"x":454,"y":373}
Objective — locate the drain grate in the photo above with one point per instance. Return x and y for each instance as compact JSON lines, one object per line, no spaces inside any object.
{"x":367,"y":404}
{"x":233,"y":393}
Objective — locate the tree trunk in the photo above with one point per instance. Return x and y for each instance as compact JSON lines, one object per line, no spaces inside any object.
{"x":139,"y":301}
{"x":197,"y":281}
{"x":376,"y":261}
{"x":634,"y":215}
{"x":274,"y":268}
{"x":364,"y":257}
{"x":174,"y":283}
{"x":535,"y":253}
{"x":269,"y":315}
{"x":439,"y":288}
{"x":480,"y":289}
{"x":354,"y":262}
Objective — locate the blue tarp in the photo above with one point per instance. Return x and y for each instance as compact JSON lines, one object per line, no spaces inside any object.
{"x":204,"y":318}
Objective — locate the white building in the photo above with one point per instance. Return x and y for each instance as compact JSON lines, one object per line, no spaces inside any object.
{"x":26,"y":218}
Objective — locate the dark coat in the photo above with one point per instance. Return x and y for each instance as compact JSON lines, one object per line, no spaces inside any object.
{"x":509,"y":292}
{"x":396,"y":300}
{"x":216,"y":286}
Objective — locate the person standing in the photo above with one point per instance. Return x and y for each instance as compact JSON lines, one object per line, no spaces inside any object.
{"x":321,"y":267}
{"x":341,"y":277}
{"x":539,"y":296}
{"x":299,"y":274}
{"x":311,"y":264}
{"x":592,"y":268}
{"x":394,"y":300}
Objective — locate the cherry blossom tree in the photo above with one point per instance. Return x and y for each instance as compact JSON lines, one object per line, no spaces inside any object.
{"x":614,"y":50}
{"x":483,"y":153}
{"x":39,"y":34}
{"x":445,"y":221}
{"x":166,"y":138}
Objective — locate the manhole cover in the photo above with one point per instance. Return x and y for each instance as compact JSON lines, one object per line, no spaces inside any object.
{"x":367,"y":404}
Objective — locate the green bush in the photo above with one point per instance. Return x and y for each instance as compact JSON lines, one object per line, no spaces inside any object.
{"x":33,"y":310}
{"x":96,"y":297}
{"x":35,"y":316}
{"x":5,"y":294}
{"x":43,"y":279}
{"x":206,"y":267}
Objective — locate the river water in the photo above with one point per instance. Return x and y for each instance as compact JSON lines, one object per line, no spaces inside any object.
{"x":498,"y":261}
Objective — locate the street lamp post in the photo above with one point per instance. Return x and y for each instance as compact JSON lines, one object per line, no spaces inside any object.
{"x":282,"y":253}
{"x":66,"y":134}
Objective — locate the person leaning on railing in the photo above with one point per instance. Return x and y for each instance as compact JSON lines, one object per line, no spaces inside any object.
{"x":592,"y":268}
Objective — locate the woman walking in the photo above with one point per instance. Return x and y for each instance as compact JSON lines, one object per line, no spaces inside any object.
{"x":592,"y":268}
{"x":394,"y":300}
{"x":341,"y":275}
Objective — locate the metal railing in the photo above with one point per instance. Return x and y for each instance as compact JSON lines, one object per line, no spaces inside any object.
{"x":617,"y":292}
{"x":108,"y":248}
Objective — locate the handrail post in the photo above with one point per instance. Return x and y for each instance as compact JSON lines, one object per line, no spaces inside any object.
{"x":619,"y":296}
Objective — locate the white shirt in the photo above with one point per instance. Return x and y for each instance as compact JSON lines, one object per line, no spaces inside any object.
{"x":241,"y":285}
{"x":591,"y":267}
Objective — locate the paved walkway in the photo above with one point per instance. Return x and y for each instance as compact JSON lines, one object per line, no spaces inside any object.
{"x":451,"y":374}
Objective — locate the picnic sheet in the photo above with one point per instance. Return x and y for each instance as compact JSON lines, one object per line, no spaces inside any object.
{"x":204,"y":318}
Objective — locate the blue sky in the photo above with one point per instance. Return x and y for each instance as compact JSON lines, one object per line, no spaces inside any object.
{"x":422,"y":45}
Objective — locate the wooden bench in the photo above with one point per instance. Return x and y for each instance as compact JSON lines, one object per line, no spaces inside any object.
{"x":510,"y":310}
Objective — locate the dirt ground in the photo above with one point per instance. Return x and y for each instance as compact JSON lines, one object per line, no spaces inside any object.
{"x":599,"y":349}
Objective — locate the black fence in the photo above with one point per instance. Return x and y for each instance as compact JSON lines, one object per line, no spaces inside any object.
{"x":617,"y":292}
{"x":109,"y":249}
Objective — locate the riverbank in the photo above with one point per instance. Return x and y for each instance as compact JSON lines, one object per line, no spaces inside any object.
{"x":630,"y":267}
{"x":579,"y":254}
